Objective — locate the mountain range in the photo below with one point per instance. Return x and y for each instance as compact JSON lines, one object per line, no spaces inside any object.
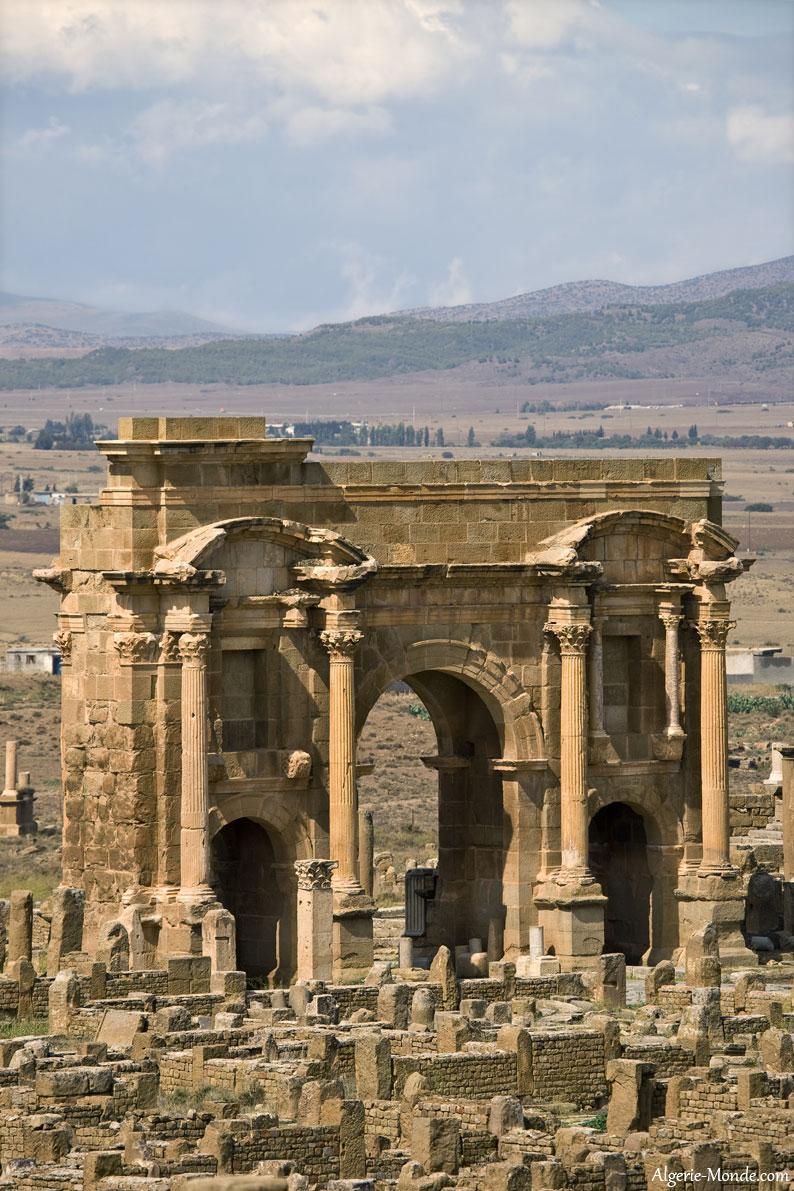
{"x":579,"y":297}
{"x":47,"y":323}
{"x":56,"y":314}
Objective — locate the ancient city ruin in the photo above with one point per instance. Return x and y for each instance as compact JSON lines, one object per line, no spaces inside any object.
{"x":574,"y":998}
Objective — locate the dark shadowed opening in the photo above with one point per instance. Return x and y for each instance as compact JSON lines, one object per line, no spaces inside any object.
{"x":619,"y":862}
{"x":243,"y":865}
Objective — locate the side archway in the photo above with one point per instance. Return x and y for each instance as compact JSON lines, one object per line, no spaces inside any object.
{"x":254,"y":843}
{"x":635,"y":849}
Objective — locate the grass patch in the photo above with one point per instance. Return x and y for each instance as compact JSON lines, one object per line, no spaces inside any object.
{"x":22,"y":1027}
{"x":202,"y":1099}
{"x":598,"y":1122}
{"x":19,"y":876}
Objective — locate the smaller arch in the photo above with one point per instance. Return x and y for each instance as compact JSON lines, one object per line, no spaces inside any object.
{"x":663,"y":821}
{"x":274,"y":812}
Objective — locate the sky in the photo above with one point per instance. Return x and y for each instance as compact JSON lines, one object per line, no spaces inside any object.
{"x":273,"y":164}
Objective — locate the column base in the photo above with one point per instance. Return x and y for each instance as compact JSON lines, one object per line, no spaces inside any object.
{"x":571,"y":912}
{"x":16,"y":814}
{"x":716,"y":897}
{"x":353,"y":953}
{"x":668,"y":745}
{"x":198,"y":895}
{"x":601,"y":750}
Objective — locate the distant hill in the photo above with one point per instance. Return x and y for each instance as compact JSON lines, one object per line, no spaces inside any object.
{"x":577,"y":297}
{"x":109,"y":324}
{"x":746,"y":335}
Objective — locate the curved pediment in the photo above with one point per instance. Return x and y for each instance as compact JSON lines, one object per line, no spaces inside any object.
{"x":685,"y":535}
{"x":260,"y":555}
{"x":645,"y":546}
{"x":306,"y":541}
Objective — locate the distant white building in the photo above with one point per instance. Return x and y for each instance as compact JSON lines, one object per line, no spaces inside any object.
{"x":45,"y":658}
{"x":759,"y":665}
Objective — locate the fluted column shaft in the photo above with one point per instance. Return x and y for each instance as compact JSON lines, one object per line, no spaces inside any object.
{"x":671,"y":621}
{"x":596,"y":678}
{"x":194,"y":883}
{"x":714,"y":745}
{"x":573,"y":749}
{"x":343,"y":807}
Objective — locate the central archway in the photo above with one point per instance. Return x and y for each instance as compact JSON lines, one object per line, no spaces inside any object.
{"x":619,"y":862}
{"x":243,"y":860}
{"x":471,"y":833}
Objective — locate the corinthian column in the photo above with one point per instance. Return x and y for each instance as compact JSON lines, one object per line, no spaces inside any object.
{"x":713,"y":635}
{"x":573,"y":749}
{"x":671,"y":619}
{"x":343,"y":809}
{"x":194,"y":883}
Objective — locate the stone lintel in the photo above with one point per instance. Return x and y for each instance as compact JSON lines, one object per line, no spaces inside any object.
{"x":528,"y":765}
{"x":445,"y":764}
{"x":199,"y":580}
{"x":631,"y":769}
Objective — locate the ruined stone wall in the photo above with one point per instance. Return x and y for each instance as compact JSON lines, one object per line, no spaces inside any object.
{"x":461,"y":1075}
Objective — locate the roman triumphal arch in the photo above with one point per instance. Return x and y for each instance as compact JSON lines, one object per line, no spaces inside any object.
{"x":230,"y":613}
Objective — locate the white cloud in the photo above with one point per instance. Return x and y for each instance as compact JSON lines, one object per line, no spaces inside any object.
{"x":547,"y":24}
{"x":34,"y":140}
{"x":368,"y":292}
{"x":759,"y":137}
{"x":454,"y":290}
{"x":311,"y":125}
{"x":347,"y":51}
{"x":174,"y":125}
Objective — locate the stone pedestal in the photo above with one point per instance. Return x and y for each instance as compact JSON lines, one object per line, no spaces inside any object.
{"x":16,"y":806}
{"x":353,"y":953}
{"x":316,"y":943}
{"x":572,"y":917}
{"x":721,"y":901}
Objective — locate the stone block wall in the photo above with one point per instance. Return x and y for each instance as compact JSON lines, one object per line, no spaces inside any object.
{"x":568,"y":1065}
{"x":461,"y":1075}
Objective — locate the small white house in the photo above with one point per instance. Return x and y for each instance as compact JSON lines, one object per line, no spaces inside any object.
{"x":45,"y":658}
{"x":768,"y":664}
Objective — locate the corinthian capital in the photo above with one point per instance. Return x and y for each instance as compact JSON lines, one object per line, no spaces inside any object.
{"x":314,"y":874}
{"x":670,"y":620}
{"x":134,"y":647}
{"x":713,"y":633}
{"x":341,"y":643}
{"x":572,"y":637}
{"x":169,"y":647}
{"x":193,"y":648}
